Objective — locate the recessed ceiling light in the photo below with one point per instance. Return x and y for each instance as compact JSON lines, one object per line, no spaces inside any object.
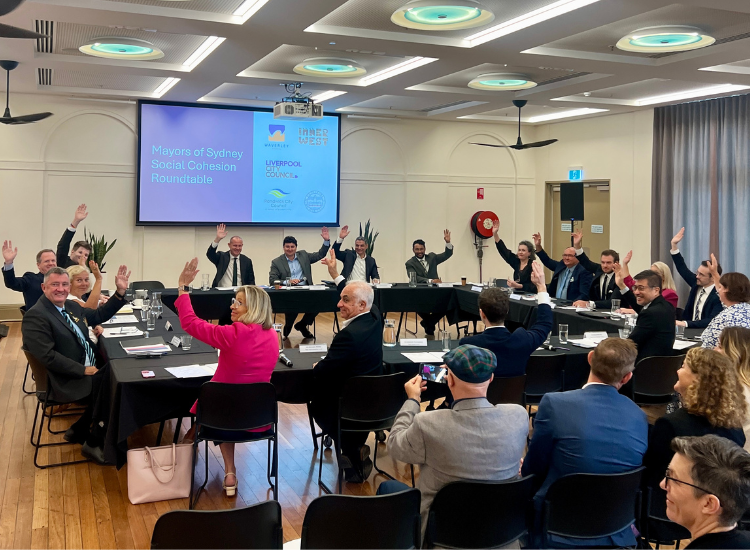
{"x":565,"y":114}
{"x":501,"y":82}
{"x":442,"y":15}
{"x":165,"y":86}
{"x":404,"y":66}
{"x":203,"y":51}
{"x":330,"y":94}
{"x":247,"y":9}
{"x":691,"y":94}
{"x":329,"y":67}
{"x":111,"y":47}
{"x":662,"y":39}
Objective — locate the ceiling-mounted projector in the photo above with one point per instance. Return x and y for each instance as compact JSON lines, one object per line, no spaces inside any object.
{"x":297,"y":105}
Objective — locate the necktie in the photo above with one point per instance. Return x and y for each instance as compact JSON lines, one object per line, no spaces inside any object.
{"x":562,"y":285}
{"x":697,"y":311}
{"x":81,"y":340}
{"x":605,"y":285}
{"x":234,"y":274}
{"x":424,"y":264}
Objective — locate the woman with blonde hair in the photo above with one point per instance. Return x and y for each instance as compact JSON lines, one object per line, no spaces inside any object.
{"x":249,"y":347}
{"x":668,"y":289}
{"x":80,"y":285}
{"x":734,"y":342}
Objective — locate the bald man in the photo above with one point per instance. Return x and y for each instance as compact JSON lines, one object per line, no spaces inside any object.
{"x":570,"y":281}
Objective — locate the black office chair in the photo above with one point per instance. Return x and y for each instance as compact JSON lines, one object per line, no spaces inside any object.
{"x":678,"y":313}
{"x":590,"y":506}
{"x":147,"y":285}
{"x":544,"y":374}
{"x":43,"y":401}
{"x":656,"y":527}
{"x":654,"y":379}
{"x":461,"y":518}
{"x":509,"y":389}
{"x":744,"y":523}
{"x":257,"y":526}
{"x":367,"y":404}
{"x":343,"y":521}
{"x":22,"y":309}
{"x":225,"y":412}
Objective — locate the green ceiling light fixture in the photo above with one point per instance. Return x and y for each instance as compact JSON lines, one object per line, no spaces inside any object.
{"x":500,"y":82}
{"x":329,"y":67}
{"x":112,"y":47}
{"x":664,"y":39}
{"x":442,"y":15}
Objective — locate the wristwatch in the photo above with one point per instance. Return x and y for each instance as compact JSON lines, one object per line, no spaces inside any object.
{"x":184,"y":288}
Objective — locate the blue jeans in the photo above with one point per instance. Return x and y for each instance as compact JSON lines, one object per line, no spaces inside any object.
{"x":392,"y":486}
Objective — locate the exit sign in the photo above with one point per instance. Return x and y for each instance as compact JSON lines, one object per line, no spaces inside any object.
{"x":575,"y":173}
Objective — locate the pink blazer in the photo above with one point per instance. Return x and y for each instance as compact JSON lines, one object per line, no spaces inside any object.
{"x":669,"y":294}
{"x":248,"y":353}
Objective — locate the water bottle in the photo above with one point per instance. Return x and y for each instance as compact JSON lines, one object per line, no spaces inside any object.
{"x":156,"y":304}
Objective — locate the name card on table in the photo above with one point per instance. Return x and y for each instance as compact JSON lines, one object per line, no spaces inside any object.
{"x":446,"y":285}
{"x":168,"y":325}
{"x":313,"y":348}
{"x":317,"y":287}
{"x":477,"y":288}
{"x":384,"y":285}
{"x":176,"y":342}
{"x":595,"y":336}
{"x":413,"y":342}
{"x":515,"y":296}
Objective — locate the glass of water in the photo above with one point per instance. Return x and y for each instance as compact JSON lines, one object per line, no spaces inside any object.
{"x":412,"y":279}
{"x":187,"y":341}
{"x":680,"y":332}
{"x":562,"y":333}
{"x":615,"y":307}
{"x":204,"y":282}
{"x":445,"y":336}
{"x":151,"y":318}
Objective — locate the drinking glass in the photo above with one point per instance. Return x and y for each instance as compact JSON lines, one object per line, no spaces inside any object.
{"x":615,"y":307}
{"x":156,"y":303}
{"x":277,"y":327}
{"x":445,"y":336}
{"x":186,"y":340}
{"x":289,"y":282}
{"x":412,"y":279}
{"x":624,"y":332}
{"x":151,"y":318}
{"x":562,"y":333}
{"x":680,"y":332}
{"x":547,"y":340}
{"x":205,"y":285}
{"x":389,"y":333}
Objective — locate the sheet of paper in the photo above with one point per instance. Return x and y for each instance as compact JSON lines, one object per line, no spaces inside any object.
{"x":317,"y":287}
{"x":225,"y":288}
{"x":515,"y":297}
{"x":119,"y":332}
{"x":476,"y":288}
{"x":313,"y":348}
{"x":596,"y":336}
{"x":125,"y":309}
{"x":424,"y":357}
{"x":384,"y":285}
{"x":447,"y":285}
{"x":192,"y":371}
{"x":413,"y":342}
{"x":684,"y":344}
{"x":530,"y":298}
{"x":158,"y":349}
{"x":122,"y":320}
{"x":583,"y":343}
{"x":567,"y":307}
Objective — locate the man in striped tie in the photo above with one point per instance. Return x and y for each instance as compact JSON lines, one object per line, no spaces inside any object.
{"x":55,"y":331}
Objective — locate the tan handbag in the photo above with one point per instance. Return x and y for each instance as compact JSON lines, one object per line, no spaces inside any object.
{"x":159,"y":473}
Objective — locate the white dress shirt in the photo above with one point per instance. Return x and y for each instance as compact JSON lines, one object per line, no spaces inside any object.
{"x":226,"y":280}
{"x":359,"y":272}
{"x":697,"y":312}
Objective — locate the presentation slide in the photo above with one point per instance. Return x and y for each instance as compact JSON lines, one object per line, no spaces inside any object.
{"x":204,"y":165}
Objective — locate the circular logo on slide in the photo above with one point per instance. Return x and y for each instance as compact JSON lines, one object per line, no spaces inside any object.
{"x":315,"y":201}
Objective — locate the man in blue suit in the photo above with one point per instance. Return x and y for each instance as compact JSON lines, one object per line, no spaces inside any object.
{"x":512,"y":349}
{"x":592,"y":430}
{"x":570,"y":281}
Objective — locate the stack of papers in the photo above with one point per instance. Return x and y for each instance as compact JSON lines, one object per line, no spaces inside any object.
{"x":193,"y":371}
{"x":584,"y":342}
{"x":122,"y":320}
{"x":119,"y":332}
{"x":146,"y":346}
{"x":125,"y":309}
{"x":425,"y":356}
{"x":683,"y":344}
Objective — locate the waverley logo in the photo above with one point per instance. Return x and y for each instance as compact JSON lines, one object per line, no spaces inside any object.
{"x":278,"y":193}
{"x":276,"y":132}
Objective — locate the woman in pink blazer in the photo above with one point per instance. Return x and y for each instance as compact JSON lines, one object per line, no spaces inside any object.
{"x":249,"y":347}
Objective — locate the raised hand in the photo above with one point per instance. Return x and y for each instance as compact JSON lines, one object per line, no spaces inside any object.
{"x":713,"y":267}
{"x":80,"y":215}
{"x":95,"y":270}
{"x":221,"y":232}
{"x":627,"y":258}
{"x":677,"y":238}
{"x":447,"y":236}
{"x":495,"y":227}
{"x":330,"y":263}
{"x":344,"y":232}
{"x":619,"y":278}
{"x":121,"y":279}
{"x":537,"y":276}
{"x":188,"y":273}
{"x":9,"y":253}
{"x":325,"y":234}
{"x":537,"y":241}
{"x":577,"y":238}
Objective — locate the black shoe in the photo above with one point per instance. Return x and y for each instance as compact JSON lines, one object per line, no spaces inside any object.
{"x":72,"y":436}
{"x":365,"y":465}
{"x":429,"y":330}
{"x":287,"y":330}
{"x":96,"y":454}
{"x":303,"y":329}
{"x":351,"y":475}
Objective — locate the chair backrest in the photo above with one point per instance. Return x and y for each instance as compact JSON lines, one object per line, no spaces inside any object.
{"x":460,"y":516}
{"x":343,"y":521}
{"x":22,"y":309}
{"x":544,"y":373}
{"x":592,"y":505}
{"x":39,"y":371}
{"x":678,"y":313}
{"x":257,"y":526}
{"x":509,"y":389}
{"x":656,"y":376}
{"x":147,"y":285}
{"x":237,"y":406}
{"x":373,"y":398}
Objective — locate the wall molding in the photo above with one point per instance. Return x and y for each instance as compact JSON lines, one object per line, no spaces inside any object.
{"x":127,"y":123}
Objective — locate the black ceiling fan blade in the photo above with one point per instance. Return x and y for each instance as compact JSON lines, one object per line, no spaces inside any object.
{"x":24,"y":119}
{"x":490,"y":145}
{"x":538,"y":144}
{"x":7,"y":31}
{"x":7,"y":6}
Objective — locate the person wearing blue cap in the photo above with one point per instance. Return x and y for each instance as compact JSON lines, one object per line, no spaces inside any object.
{"x":494,"y":436}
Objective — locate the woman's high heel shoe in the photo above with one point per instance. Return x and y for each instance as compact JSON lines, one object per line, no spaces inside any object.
{"x":230,"y":489}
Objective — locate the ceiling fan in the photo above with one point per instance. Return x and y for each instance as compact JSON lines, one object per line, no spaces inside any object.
{"x":7,"y":31}
{"x":520,"y":145}
{"x":23,"y":119}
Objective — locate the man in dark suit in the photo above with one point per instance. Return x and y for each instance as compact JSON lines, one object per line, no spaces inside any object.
{"x":357,"y":350}
{"x":358,"y":266}
{"x":79,"y":255}
{"x":570,"y":281}
{"x":512,"y":349}
{"x":233,"y":268}
{"x":55,"y":331}
{"x":425,"y":268}
{"x":592,"y":430}
{"x":603,"y":285}
{"x":703,"y":303}
{"x":654,"y":331}
{"x":297,"y":265}
{"x":31,"y":283}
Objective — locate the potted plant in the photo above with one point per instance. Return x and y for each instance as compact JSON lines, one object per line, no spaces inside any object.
{"x":369,"y":236}
{"x":99,"y":249}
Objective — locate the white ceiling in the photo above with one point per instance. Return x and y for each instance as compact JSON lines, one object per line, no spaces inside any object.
{"x":571,"y":56}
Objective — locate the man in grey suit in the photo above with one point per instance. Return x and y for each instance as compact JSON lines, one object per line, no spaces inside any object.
{"x":297,"y":265}
{"x":424,"y":266}
{"x":473,"y":440}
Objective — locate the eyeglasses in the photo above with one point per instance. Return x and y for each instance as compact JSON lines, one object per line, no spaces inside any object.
{"x":569,"y":255}
{"x":668,"y":478}
{"x":641,"y":288}
{"x":236,"y":302}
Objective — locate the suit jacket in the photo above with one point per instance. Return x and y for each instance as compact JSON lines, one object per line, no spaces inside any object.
{"x":654,"y":330}
{"x":63,"y":249}
{"x":349,"y":257}
{"x":357,"y":350}
{"x":50,"y":339}
{"x":221,"y":261}
{"x":471,"y":441}
{"x":30,"y":285}
{"x":580,"y":280}
{"x":513,"y":349}
{"x":593,"y":430}
{"x":433,"y":260}
{"x":711,"y":304}
{"x":280,"y":266}
{"x":520,"y":276}
{"x":595,"y":292}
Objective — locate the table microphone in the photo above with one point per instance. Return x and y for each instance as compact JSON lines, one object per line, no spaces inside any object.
{"x":284,"y":359}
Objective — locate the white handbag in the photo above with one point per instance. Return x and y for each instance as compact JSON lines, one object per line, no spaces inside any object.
{"x":159,"y":473}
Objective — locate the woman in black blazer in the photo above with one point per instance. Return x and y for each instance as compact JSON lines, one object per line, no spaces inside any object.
{"x":520,"y":262}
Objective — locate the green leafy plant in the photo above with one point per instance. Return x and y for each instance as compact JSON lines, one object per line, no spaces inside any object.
{"x":369,"y":236}
{"x":99,"y":248}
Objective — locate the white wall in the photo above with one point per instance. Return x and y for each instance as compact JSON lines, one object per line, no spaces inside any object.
{"x":411,"y":178}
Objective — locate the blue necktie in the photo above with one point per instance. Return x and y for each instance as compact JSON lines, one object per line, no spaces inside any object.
{"x":81,"y":340}
{"x":562,"y":285}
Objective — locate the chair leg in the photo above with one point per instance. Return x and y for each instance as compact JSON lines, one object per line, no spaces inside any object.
{"x":275,"y":470}
{"x":192,"y":476}
{"x":312,"y":428}
{"x":413,"y":483}
{"x":33,"y":426}
{"x":375,"y":465}
{"x":25,"y":375}
{"x":194,"y":500}
{"x":322,"y":485}
{"x":160,"y":433}
{"x":39,"y":444}
{"x":177,"y":427}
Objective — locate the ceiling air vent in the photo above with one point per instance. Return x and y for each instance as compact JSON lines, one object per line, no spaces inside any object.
{"x":564,"y":77}
{"x":44,"y":77}
{"x":45,"y":45}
